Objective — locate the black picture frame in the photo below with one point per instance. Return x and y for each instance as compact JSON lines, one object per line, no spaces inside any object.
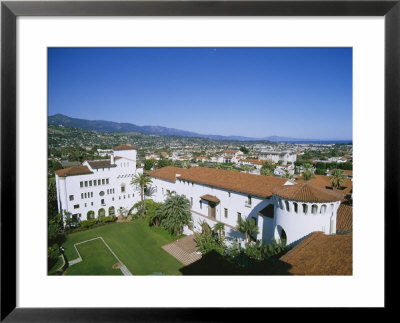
{"x":10,"y":10}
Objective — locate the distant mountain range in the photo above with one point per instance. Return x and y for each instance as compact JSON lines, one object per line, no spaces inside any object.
{"x":110,"y":126}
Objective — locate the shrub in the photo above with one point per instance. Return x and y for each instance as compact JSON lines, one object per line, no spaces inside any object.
{"x":88,"y":223}
{"x":53,"y":252}
{"x":108,"y":219}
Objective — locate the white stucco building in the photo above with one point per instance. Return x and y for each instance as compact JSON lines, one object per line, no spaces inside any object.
{"x":99,"y":187}
{"x":276,"y":156}
{"x":224,"y":196}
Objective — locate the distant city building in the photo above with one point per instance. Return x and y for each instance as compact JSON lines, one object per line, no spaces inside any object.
{"x":278,"y":156}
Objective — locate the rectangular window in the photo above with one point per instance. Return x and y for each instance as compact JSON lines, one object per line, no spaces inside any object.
{"x":95,"y":183}
{"x":91,"y":194}
{"x":103,"y":181}
{"x":81,"y":184}
{"x":226,"y":213}
{"x":86,"y":183}
{"x":85,"y":195}
{"x":91,"y":203}
{"x":107,"y":181}
{"x":113,"y":199}
{"x":239,"y":216}
{"x":85,"y":204}
{"x":71,"y":197}
{"x":76,"y":206}
{"x":102,"y":202}
{"x":191,"y":201}
{"x":122,"y":189}
{"x":99,"y":182}
{"x":81,"y":195}
{"x":90,"y":183}
{"x":201,"y":204}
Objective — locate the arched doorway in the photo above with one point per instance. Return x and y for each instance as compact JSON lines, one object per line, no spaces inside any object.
{"x":102,"y":212}
{"x":90,"y":215}
{"x":280,"y":235}
{"x":111,"y":210}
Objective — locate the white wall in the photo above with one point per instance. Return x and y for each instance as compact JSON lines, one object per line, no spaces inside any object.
{"x":118,"y":176}
{"x":234,"y":202}
{"x":297,"y":225}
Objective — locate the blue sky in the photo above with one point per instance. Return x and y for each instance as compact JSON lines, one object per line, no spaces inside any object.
{"x":256,"y":92}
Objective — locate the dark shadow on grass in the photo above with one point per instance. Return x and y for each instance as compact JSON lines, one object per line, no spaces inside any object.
{"x":214,"y":264}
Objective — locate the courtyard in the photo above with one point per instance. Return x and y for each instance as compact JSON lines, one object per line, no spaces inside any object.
{"x":133,"y":244}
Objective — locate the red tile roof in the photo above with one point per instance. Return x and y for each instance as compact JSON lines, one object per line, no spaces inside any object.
{"x":100,"y":163}
{"x":324,"y":182}
{"x":124,"y":147}
{"x":73,"y":170}
{"x":307,"y":192}
{"x":210,"y":198}
{"x":257,"y":185}
{"x":344,"y":221}
{"x":167,"y":173}
{"x":321,"y":254}
{"x":254,"y":161}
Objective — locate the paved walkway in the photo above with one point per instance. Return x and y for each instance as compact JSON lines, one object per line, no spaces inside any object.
{"x":184,"y":250}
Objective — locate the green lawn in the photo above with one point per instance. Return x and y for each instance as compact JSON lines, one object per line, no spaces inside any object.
{"x":58,"y":264}
{"x":136,"y":244}
{"x":96,"y":260}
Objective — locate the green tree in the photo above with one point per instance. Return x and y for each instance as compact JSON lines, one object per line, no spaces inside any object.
{"x":248,"y":227}
{"x":308,"y":172}
{"x":148,"y":164}
{"x":337,"y":179}
{"x":267,"y":168}
{"x":52,"y":208}
{"x":219,"y":230}
{"x":141,"y":181}
{"x":288,"y":175}
{"x":244,"y":150}
{"x":164,"y":162}
{"x":176,"y":214}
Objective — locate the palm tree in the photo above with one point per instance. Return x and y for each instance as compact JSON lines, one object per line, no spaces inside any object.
{"x":219,"y":229}
{"x":176,"y":214}
{"x":288,"y":175}
{"x":170,"y":193}
{"x":337,"y":179}
{"x":141,"y":181}
{"x":248,"y":227}
{"x":308,"y":173}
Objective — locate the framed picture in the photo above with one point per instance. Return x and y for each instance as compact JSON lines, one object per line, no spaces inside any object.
{"x":34,"y":33}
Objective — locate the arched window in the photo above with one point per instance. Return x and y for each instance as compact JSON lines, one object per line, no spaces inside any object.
{"x":323,"y":209}
{"x":305,"y":208}
{"x":280,"y":204}
{"x":314,"y":209}
{"x":111,"y":210}
{"x":295,"y":206}
{"x":90,"y":215}
{"x":102,"y":212}
{"x":287,"y":206}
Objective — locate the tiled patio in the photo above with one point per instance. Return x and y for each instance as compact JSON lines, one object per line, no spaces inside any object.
{"x":184,"y":250}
